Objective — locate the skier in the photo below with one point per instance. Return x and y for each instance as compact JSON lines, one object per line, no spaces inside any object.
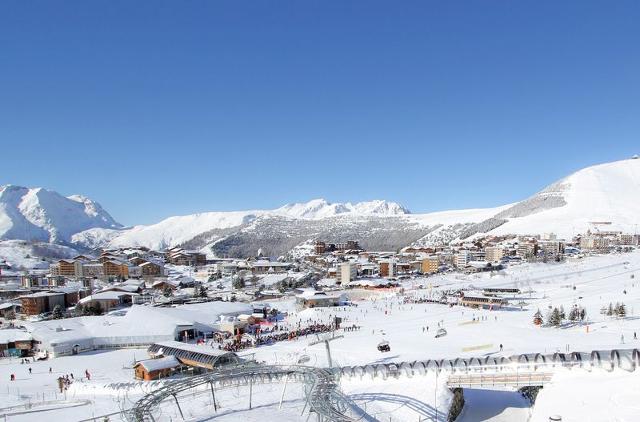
{"x":501,"y":347}
{"x":29,"y":371}
{"x":50,"y":369}
{"x":635,"y":336}
{"x":88,"y":375}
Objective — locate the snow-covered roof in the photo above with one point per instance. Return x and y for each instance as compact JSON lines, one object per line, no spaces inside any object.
{"x":264,"y":263}
{"x":131,"y":288}
{"x":10,"y":335}
{"x":370,"y":282}
{"x":108,"y":295}
{"x":327,"y":282}
{"x":137,"y":324}
{"x":478,"y":264}
{"x":8,"y":305}
{"x":166,"y":362}
{"x":198,"y":348}
{"x":42,"y":294}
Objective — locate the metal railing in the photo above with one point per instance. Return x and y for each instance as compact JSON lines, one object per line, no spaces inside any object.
{"x":322,"y":394}
{"x":508,"y":380}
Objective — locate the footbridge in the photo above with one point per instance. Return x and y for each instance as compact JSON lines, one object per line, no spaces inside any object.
{"x":324,"y":398}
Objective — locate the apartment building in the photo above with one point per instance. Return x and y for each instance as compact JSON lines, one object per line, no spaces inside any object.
{"x":430,"y":265}
{"x":388,"y":268}
{"x":348,"y":272}
{"x":493,"y":253}
{"x":64,"y":268}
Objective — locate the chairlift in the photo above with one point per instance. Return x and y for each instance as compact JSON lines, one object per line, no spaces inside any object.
{"x":383,"y":346}
{"x":303,"y":359}
{"x":441,"y":332}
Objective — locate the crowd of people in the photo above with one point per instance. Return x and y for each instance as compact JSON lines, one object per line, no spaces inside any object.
{"x":270,"y":335}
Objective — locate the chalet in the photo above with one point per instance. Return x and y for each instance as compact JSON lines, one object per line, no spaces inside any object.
{"x":179,"y":256}
{"x":108,"y":300}
{"x":151,"y":269}
{"x":173,"y":284}
{"x":136,"y":260}
{"x":40,"y":302}
{"x":9,"y":308}
{"x":15,"y":343}
{"x":153,"y":369}
{"x":263,"y":266}
{"x":316,"y":299}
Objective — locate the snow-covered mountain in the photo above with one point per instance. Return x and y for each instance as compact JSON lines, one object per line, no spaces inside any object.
{"x":37,"y":214}
{"x":603,"y":193}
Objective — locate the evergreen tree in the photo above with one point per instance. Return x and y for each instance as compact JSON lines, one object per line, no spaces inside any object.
{"x":238,"y":283}
{"x":610,"y":309}
{"x":555,"y":319}
{"x":537,"y":318}
{"x":583,"y":314}
{"x":622,"y":310}
{"x":574,"y":314}
{"x":57,"y":312}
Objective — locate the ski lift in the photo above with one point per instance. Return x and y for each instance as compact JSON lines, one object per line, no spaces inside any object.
{"x":441,"y":332}
{"x":303,"y":359}
{"x":383,"y":346}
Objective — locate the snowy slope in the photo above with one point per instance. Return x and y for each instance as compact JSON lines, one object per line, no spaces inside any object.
{"x":607,"y":192}
{"x":38,"y":214}
{"x":176,"y":230}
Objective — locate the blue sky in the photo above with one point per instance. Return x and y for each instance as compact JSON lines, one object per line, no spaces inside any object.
{"x":164,"y":108}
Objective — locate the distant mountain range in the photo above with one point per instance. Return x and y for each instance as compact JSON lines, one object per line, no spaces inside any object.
{"x":603,"y":193}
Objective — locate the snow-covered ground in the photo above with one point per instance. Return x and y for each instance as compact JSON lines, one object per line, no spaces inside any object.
{"x":592,"y":283}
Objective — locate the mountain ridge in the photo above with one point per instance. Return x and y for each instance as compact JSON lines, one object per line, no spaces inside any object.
{"x":604,"y":192}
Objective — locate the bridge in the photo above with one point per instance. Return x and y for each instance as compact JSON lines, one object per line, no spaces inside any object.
{"x":324,"y":398}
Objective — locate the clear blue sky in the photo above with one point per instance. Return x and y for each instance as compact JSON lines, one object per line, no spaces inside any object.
{"x":164,"y":108}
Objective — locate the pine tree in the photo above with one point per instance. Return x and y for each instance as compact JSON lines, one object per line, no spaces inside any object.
{"x":583,"y":314}
{"x":574,"y":314}
{"x":556,"y":318}
{"x":622,"y":310}
{"x":610,"y":309}
{"x":537,"y":318}
{"x":57,"y":312}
